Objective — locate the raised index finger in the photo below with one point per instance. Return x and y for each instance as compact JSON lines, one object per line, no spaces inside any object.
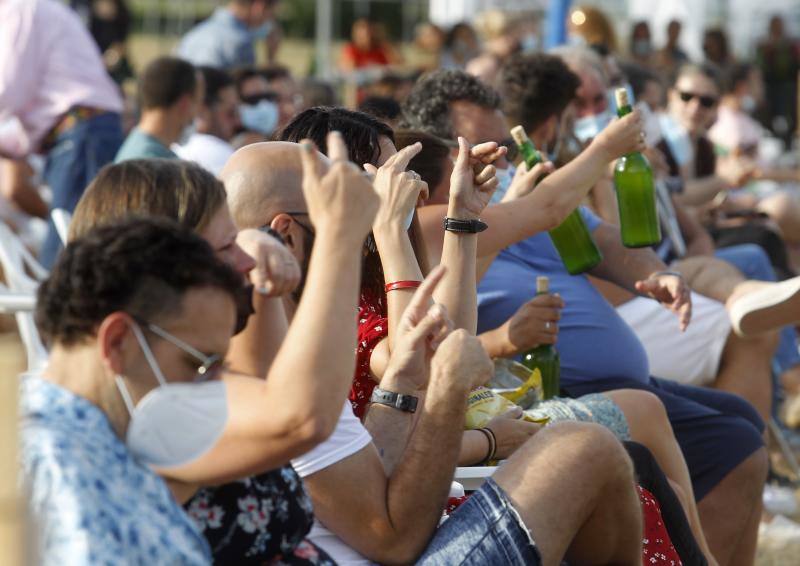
{"x":402,"y":158}
{"x":309,"y":158}
{"x":337,"y":149}
{"x":424,"y":294}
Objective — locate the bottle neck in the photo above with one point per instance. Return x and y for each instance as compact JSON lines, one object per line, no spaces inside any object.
{"x":624,"y":110}
{"x":530,"y":154}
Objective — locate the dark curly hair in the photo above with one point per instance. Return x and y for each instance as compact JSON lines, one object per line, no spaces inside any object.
{"x":427,"y":107}
{"x":142,"y":266}
{"x":534,"y":87}
{"x":361,"y":131}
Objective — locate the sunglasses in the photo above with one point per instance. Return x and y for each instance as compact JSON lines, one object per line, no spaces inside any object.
{"x":210,"y":366}
{"x":254,"y":99}
{"x":705,"y":101}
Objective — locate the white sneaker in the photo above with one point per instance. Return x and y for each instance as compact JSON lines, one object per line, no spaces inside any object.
{"x":765,"y":309}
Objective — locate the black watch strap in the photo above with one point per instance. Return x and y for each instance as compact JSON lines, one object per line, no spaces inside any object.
{"x":406,"y":403}
{"x":464,"y":226}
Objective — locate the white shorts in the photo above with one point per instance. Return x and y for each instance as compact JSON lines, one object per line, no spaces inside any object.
{"x":691,"y":357}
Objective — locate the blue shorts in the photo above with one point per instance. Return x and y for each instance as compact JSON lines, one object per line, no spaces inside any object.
{"x":484,"y":530}
{"x":716,"y":430}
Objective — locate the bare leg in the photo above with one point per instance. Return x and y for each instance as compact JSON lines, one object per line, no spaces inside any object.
{"x":746,"y":370}
{"x":573,"y":486}
{"x":733,"y":507}
{"x":649,"y":425}
{"x":709,"y":276}
{"x":783,"y":208}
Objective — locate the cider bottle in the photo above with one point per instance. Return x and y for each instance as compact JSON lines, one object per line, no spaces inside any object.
{"x":636,"y":194}
{"x":571,"y":238}
{"x":545,"y":357}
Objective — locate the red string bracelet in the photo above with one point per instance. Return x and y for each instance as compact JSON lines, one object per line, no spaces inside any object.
{"x":402,"y":285}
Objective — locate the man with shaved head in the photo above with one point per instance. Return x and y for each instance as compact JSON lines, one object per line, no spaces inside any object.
{"x":381,"y":500}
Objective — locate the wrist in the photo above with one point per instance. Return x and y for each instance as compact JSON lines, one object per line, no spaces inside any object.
{"x":460,"y":212}
{"x":397,"y":383}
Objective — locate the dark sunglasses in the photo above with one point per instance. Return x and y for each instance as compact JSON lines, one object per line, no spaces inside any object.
{"x":256,"y":98}
{"x":705,"y":101}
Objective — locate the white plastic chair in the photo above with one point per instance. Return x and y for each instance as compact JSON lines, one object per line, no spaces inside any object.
{"x":472,"y":477}
{"x":23,"y":275}
{"x":61,"y":219}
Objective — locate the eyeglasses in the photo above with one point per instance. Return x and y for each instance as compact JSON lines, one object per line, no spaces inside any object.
{"x":254,"y":99}
{"x":210,"y":366}
{"x":705,"y":100}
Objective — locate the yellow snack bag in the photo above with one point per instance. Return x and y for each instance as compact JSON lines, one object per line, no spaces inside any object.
{"x":483,"y":405}
{"x":533,"y":382}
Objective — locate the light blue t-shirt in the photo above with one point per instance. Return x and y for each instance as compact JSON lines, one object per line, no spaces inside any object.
{"x":593,"y":341}
{"x":221,"y":41}
{"x":91,"y":501}
{"x":139,"y":145}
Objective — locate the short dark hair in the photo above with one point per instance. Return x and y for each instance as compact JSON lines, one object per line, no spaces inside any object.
{"x":535,"y":87}
{"x":708,"y":70}
{"x":143,"y":266}
{"x":381,"y":107}
{"x":361,"y":131}
{"x":275,"y":73}
{"x":216,"y":80}
{"x":427,"y":107}
{"x":165,"y":81}
{"x":737,"y":74}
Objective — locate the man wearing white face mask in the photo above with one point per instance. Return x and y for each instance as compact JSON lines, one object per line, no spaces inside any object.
{"x":217,"y":121}
{"x":170,"y":91}
{"x":226,"y":39}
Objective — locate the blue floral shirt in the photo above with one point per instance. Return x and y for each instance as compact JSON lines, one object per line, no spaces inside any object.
{"x":92,"y":502}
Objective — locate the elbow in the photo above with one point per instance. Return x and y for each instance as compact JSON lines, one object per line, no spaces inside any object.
{"x":397,"y":548}
{"x":553,"y":214}
{"x":314,"y":429}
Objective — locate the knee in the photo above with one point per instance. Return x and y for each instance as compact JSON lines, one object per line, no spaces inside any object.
{"x":642,"y":409}
{"x":752,"y":472}
{"x":592,"y":444}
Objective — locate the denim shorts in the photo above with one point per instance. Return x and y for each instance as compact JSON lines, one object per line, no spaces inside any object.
{"x":486,"y":529}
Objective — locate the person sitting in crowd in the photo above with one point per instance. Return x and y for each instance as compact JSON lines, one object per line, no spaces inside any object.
{"x":71,"y":116}
{"x":200,"y":200}
{"x":368,"y":47}
{"x":170,"y":93}
{"x":289,"y":96}
{"x":712,"y":353}
{"x":227,"y":39}
{"x":366,"y":498}
{"x":447,"y":104}
{"x":259,"y":112}
{"x":460,"y":46}
{"x":499,"y":34}
{"x":216,"y":123}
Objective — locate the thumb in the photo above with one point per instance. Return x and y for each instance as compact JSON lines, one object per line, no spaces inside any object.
{"x":371,"y":169}
{"x":462,"y":162}
{"x":514,"y":412}
{"x":646,"y":286}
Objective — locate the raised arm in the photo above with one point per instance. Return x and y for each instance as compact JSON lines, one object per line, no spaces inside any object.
{"x":298,"y":406}
{"x":554,"y":198}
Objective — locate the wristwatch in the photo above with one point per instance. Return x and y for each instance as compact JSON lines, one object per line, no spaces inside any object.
{"x":463,"y":226}
{"x":405,"y":403}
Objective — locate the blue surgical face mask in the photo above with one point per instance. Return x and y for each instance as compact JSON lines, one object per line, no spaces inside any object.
{"x":678,"y":139}
{"x":504,"y":178}
{"x":262,"y":31}
{"x":261,"y":117}
{"x":588,"y":127}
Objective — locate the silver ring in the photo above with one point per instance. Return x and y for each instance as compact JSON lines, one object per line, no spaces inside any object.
{"x":414,"y":174}
{"x":548,"y":325}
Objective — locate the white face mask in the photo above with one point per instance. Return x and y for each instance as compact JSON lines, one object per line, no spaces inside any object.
{"x":175,"y":423}
{"x":504,"y":179}
{"x":187,"y":133}
{"x":678,"y":139}
{"x":261,"y":117}
{"x":748,"y":104}
{"x":588,"y":127}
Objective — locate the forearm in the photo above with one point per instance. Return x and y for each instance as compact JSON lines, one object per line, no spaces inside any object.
{"x":621,"y":265}
{"x":458,"y":290}
{"x":399,"y":264}
{"x":17,"y":188}
{"x":414,"y":506}
{"x":494,"y":343}
{"x":697,"y":192}
{"x":314,"y":367}
{"x":389,"y":427}
{"x":474,"y":448}
{"x":253,"y":350}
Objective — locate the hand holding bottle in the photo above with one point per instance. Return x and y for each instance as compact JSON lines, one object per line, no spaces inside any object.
{"x":535,"y":323}
{"x":341,"y":201}
{"x":622,"y":136}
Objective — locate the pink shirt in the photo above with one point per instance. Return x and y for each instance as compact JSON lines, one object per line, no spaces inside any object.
{"x":48,"y":63}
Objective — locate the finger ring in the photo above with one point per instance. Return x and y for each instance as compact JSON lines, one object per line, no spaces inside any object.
{"x":548,"y":325}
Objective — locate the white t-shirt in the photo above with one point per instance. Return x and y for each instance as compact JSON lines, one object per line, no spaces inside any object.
{"x":349,"y":437}
{"x":210,"y":152}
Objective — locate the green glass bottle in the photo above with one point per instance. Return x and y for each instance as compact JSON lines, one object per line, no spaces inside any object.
{"x":571,"y":238}
{"x":545,"y":357}
{"x":636,"y":193}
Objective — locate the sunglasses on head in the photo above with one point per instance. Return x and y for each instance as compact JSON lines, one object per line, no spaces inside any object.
{"x":705,"y":101}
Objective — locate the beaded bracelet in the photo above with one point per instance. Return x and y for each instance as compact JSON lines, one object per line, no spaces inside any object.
{"x":489,"y":434}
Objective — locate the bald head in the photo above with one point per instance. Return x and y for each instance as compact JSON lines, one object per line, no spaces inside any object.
{"x":262,"y":181}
